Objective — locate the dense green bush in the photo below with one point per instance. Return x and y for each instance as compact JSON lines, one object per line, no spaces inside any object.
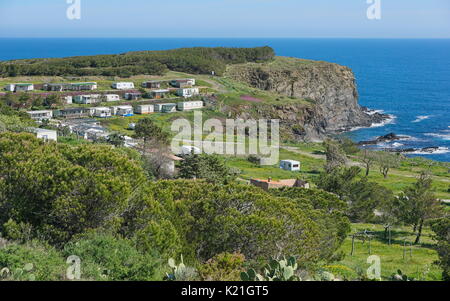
{"x":62,"y":190}
{"x":105,"y":257}
{"x":212,"y":218}
{"x":33,"y":261}
{"x":362,"y":196}
{"x":69,"y":195}
{"x":223,"y":267}
{"x":442,"y":229}
{"x":211,"y":168}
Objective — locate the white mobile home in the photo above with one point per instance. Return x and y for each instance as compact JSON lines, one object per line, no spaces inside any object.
{"x":46,"y":135}
{"x":181,"y":83}
{"x":124,"y":111}
{"x":188,"y":92}
{"x":144,"y":109}
{"x":189,"y":150}
{"x":132,"y":96}
{"x":41,"y":115}
{"x":189,"y":105}
{"x":290,"y":165}
{"x":153,"y":84}
{"x":123,"y":85}
{"x":165,"y":107}
{"x":19,"y":87}
{"x":102,"y":112}
{"x":68,"y":100}
{"x":87,"y":99}
{"x":111,"y":97}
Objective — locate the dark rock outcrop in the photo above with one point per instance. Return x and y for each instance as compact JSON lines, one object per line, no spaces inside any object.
{"x":383,"y":139}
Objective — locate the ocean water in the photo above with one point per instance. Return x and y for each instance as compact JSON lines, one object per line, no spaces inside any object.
{"x":409,"y":79}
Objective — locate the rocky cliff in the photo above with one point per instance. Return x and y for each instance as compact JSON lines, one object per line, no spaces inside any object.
{"x":330,"y":88}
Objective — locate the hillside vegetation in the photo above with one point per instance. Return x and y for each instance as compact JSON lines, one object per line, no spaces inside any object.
{"x":192,"y":60}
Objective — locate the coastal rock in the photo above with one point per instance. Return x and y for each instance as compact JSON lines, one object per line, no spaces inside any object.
{"x":383,"y":139}
{"x":330,"y":89}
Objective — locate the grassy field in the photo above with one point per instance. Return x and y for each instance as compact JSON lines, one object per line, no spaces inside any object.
{"x":236,"y":90}
{"x":311,"y":157}
{"x":420,"y":266}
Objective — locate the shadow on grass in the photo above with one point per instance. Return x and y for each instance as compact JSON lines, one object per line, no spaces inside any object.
{"x":398,"y":238}
{"x":316,"y":152}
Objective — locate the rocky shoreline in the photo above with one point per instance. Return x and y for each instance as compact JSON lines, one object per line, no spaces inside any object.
{"x":370,"y":118}
{"x":391,"y":137}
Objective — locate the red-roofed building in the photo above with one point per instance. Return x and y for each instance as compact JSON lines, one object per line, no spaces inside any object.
{"x":270,"y":184}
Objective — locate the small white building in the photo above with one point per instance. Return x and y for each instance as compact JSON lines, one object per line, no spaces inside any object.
{"x":111,"y":97}
{"x":144,"y":109}
{"x":46,"y":135}
{"x":188,"y":92}
{"x":87,"y":99}
{"x":290,"y":165}
{"x":189,"y":105}
{"x":123,"y":85}
{"x":189,"y":150}
{"x":19,"y":87}
{"x":102,"y":112}
{"x":41,"y":115}
{"x":124,"y":111}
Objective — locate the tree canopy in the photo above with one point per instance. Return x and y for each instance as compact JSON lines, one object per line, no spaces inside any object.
{"x":199,"y":60}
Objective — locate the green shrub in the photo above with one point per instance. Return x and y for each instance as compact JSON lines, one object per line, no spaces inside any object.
{"x":223,"y":267}
{"x":105,"y":257}
{"x":33,"y":261}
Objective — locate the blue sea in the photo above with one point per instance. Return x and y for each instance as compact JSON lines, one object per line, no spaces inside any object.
{"x":409,"y":79}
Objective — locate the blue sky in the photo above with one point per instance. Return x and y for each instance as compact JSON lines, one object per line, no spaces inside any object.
{"x":226,"y":18}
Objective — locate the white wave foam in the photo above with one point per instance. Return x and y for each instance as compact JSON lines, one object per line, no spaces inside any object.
{"x":421,"y":118}
{"x":439,"y":151}
{"x":373,"y":112}
{"x":389,"y":120}
{"x":396,"y":144}
{"x":440,"y":136}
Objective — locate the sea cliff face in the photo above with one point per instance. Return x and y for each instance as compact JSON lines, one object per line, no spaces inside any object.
{"x":330,"y":88}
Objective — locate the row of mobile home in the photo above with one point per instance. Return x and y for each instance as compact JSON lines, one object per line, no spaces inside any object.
{"x":93,"y":98}
{"x":70,"y":87}
{"x":124,"y":110}
{"x":168,"y":107}
{"x":19,"y":87}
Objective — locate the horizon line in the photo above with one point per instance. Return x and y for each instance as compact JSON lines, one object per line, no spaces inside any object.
{"x":335,"y":38}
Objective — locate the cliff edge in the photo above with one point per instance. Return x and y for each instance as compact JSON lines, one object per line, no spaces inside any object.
{"x":330,"y":88}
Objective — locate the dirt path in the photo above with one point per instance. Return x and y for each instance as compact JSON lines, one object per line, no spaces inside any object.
{"x":215,"y":85}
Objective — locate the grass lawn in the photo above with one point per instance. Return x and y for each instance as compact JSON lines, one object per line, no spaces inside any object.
{"x":420,"y":265}
{"x":309,"y":169}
